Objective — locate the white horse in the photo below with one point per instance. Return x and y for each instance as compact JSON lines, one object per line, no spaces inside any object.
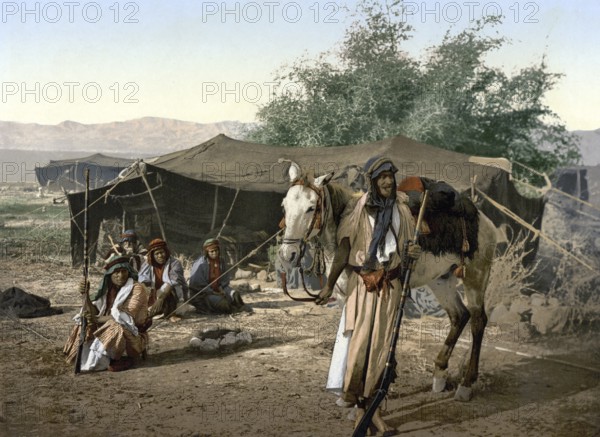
{"x":313,"y":208}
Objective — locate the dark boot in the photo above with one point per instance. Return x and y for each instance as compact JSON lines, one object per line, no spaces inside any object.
{"x":239,"y":304}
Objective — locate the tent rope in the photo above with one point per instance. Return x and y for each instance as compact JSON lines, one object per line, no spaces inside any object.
{"x":24,"y":326}
{"x":252,"y":253}
{"x":549,"y":187}
{"x":536,"y":232}
{"x":585,"y":214}
{"x":228,"y":213}
{"x":591,"y":205}
{"x":142,"y":172}
{"x":542,"y":174}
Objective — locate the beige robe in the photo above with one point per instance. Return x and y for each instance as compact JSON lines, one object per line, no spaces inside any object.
{"x":368,"y":315}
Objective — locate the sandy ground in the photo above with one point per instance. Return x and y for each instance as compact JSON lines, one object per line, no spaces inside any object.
{"x":275,"y":386}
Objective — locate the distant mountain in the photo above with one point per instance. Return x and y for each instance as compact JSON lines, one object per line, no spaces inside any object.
{"x":156,"y":136}
{"x":589,"y":146}
{"x":146,"y":136}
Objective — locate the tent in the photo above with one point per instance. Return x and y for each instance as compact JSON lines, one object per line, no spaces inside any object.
{"x":194,"y":189}
{"x":69,"y":174}
{"x":582,"y":182}
{"x":576,"y":195}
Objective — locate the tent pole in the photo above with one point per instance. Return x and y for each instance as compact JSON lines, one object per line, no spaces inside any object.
{"x":162,"y":230}
{"x":215,"y":204}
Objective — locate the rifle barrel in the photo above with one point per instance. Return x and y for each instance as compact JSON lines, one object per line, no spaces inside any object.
{"x":86,"y":265}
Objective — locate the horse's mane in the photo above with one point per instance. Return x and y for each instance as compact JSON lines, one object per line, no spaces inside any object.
{"x":340,"y":196}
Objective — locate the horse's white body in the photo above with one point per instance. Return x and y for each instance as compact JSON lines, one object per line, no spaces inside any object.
{"x":300,"y":203}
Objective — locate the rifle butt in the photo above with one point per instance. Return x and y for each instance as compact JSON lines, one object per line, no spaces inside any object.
{"x":363,"y":426}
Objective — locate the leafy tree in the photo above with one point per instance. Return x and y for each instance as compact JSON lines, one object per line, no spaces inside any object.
{"x":368,"y":88}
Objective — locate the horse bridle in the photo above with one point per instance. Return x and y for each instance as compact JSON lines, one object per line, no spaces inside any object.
{"x":316,"y":223}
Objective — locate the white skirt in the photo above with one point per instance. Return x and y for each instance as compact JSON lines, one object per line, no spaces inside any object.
{"x":337,"y":368}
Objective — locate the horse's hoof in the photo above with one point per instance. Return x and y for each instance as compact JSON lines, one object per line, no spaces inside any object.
{"x":463,"y":394}
{"x":439,"y":384}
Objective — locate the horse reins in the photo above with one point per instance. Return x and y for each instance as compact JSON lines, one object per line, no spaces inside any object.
{"x":316,"y":223}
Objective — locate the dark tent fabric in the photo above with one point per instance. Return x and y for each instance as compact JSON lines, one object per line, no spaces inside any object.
{"x":582,"y":182}
{"x":194,"y":188}
{"x":185,"y":207}
{"x":529,"y":209}
{"x":234,"y":164}
{"x":15,"y":301}
{"x":69,"y":174}
{"x":574,"y":224}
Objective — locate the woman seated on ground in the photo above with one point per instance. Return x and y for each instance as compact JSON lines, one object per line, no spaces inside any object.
{"x":209,"y":284}
{"x":117,"y":319}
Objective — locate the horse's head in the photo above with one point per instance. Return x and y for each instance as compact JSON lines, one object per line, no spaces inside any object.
{"x":304,"y":211}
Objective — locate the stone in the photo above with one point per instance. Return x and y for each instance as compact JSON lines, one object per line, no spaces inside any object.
{"x":228,"y":341}
{"x":243,"y":338}
{"x":255,"y":288}
{"x":538,"y":300}
{"x":262,"y":276}
{"x":243,"y":274}
{"x":549,"y":319}
{"x":498,"y":313}
{"x":509,"y":319}
{"x":241,"y":286}
{"x":520,"y":305}
{"x":206,"y":345}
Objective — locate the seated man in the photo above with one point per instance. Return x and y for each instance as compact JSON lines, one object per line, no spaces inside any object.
{"x":163,"y":274}
{"x":133,"y":249}
{"x":209,"y":285}
{"x":129,"y":246}
{"x":117,"y":321}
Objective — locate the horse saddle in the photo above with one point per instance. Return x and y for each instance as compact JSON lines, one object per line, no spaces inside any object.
{"x":413,"y":187}
{"x":446,"y":214}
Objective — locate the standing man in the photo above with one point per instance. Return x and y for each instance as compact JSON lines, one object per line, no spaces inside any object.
{"x":163,"y":275}
{"x":370,"y":238}
{"x":117,"y":321}
{"x":209,"y":280}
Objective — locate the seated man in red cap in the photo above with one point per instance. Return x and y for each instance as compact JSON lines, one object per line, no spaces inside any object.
{"x":162,"y":273}
{"x":117,"y":321}
{"x":209,"y":283}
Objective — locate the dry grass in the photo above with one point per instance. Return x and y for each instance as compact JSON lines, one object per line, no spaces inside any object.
{"x":33,"y":229}
{"x":572,"y":283}
{"x":509,"y":277}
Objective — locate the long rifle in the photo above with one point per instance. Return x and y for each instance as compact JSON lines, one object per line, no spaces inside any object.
{"x":390,"y":363}
{"x":86,"y":266}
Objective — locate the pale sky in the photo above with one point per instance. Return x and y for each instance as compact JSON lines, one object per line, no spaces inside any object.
{"x":209,"y":61}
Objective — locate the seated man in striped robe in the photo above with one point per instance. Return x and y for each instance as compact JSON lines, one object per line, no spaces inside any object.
{"x":117,"y":321}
